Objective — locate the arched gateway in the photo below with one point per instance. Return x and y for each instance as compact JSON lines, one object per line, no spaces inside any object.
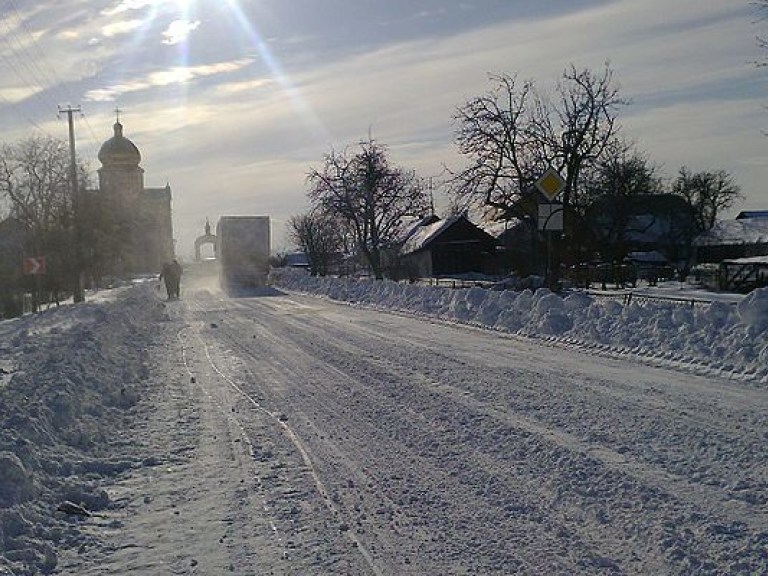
{"x":206,"y":238}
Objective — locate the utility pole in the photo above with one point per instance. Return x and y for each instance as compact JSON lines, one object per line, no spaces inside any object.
{"x":78,"y":294}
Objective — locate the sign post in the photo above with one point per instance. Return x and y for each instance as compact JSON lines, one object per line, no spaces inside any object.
{"x":550,"y":184}
{"x":34,"y":266}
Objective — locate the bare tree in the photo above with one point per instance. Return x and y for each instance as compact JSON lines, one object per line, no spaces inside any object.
{"x":708,"y":193}
{"x":370,"y":195}
{"x":514,"y":132}
{"x":622,"y":171}
{"x":34,"y":180}
{"x":614,"y":191}
{"x":318,"y":235}
{"x":35,"y":186}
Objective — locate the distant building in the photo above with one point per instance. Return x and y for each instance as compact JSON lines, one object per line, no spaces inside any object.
{"x":205,"y":239}
{"x":142,"y":215}
{"x":661,"y":223}
{"x":297,"y":260}
{"x":520,"y":246}
{"x":752,"y":214}
{"x":744,"y":237}
{"x":453,"y":246}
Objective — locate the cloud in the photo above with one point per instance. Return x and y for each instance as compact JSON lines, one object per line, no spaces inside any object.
{"x":173,"y":75}
{"x":236,"y":88}
{"x":15,"y":95}
{"x":118,"y":28}
{"x":179,"y":30}
{"x":127,"y":5}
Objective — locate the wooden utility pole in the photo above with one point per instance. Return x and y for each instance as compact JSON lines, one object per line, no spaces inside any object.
{"x":78,"y":294}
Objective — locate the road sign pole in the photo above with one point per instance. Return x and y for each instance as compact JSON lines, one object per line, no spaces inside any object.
{"x":550,"y":184}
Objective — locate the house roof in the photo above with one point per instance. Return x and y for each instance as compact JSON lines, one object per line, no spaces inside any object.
{"x":735,"y":232}
{"x":752,"y":214}
{"x":649,"y":257}
{"x":296,"y":259}
{"x":421,"y":236}
{"x":749,"y":260}
{"x":411,"y":225}
{"x":424,"y":235}
{"x":497,"y":229}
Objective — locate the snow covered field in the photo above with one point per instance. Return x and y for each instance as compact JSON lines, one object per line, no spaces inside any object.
{"x":289,"y":434}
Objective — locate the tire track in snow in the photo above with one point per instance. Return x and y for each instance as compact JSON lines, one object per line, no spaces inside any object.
{"x":300,"y":447}
{"x":194,"y":377}
{"x":369,"y":352}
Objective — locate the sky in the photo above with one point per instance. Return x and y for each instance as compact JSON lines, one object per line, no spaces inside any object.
{"x":233,"y":102}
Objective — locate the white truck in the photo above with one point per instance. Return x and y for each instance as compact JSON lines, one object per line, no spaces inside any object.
{"x":242,"y":251}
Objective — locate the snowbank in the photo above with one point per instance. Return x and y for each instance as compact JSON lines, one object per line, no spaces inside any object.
{"x":69,"y":379}
{"x":72,"y":378}
{"x":730,"y":340}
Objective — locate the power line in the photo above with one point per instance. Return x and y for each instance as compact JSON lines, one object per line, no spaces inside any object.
{"x":34,"y":59}
{"x":26,"y":69}
{"x":26,"y":117}
{"x":34,"y":77}
{"x":49,"y":71}
{"x":94,"y":138}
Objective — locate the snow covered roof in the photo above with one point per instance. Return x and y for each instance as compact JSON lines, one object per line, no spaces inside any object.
{"x":735,"y":232}
{"x":423,"y":235}
{"x":497,"y":229}
{"x":749,"y":260}
{"x":411,"y":225}
{"x":752,"y":214}
{"x":650,"y":257}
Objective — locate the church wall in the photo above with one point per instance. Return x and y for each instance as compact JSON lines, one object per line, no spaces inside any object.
{"x":126,"y":182}
{"x":147,"y":240}
{"x":160,"y":234}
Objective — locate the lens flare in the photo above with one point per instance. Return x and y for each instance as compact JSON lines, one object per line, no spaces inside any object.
{"x":256,"y":41}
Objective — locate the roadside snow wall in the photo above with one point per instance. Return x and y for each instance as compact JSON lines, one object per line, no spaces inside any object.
{"x":717,"y":338}
{"x":77,"y":372}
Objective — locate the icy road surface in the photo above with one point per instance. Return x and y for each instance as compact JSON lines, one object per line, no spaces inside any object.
{"x":311,"y":438}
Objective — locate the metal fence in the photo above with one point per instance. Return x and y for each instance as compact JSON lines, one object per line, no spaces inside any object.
{"x":629,"y":297}
{"x":625,"y":297}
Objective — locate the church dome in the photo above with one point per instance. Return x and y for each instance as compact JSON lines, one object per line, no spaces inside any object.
{"x":119,"y":150}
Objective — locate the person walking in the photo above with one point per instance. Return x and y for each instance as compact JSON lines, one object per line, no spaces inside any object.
{"x":171,"y":274}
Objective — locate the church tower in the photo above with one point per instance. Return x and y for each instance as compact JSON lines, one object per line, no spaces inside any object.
{"x":120,"y":173}
{"x":142,"y":215}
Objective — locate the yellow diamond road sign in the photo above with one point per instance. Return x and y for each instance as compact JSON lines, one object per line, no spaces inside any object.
{"x":550,"y":183}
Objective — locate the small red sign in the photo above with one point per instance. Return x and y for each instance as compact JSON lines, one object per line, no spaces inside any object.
{"x":34,"y":265}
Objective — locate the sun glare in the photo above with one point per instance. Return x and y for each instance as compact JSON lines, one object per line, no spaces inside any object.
{"x":181,"y":33}
{"x":182,"y":5}
{"x":257,"y":43}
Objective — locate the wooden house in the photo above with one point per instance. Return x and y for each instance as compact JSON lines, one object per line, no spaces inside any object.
{"x":450,"y":247}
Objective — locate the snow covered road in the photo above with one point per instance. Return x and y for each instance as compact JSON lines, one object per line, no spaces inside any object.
{"x":286,"y":434}
{"x":371,"y":443}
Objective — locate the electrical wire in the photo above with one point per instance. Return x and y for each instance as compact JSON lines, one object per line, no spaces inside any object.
{"x":26,"y":61}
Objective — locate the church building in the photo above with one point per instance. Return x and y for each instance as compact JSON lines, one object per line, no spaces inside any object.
{"x":142,"y":216}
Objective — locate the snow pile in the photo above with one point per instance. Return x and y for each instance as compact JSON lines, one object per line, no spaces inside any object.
{"x":717,"y":338}
{"x":69,"y":378}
